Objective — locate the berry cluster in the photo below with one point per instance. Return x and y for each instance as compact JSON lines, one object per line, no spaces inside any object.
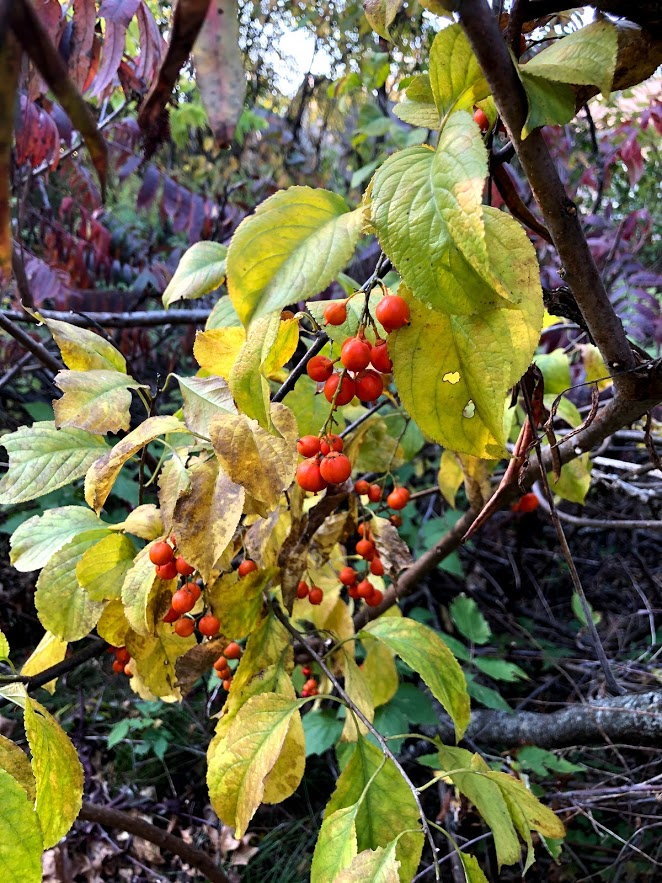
{"x":167,"y":564}
{"x":311,"y":687}
{"x":325,"y":462}
{"x":222,"y":666}
{"x":314,"y":594}
{"x":397,"y":499}
{"x":122,"y":659}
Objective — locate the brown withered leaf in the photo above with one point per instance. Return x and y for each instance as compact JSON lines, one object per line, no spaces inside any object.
{"x":196,"y":662}
{"x":392,"y":549}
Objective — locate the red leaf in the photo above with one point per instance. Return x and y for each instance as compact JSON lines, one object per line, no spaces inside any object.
{"x":37,"y":137}
{"x":152,"y":45}
{"x":118,"y":15}
{"x":149,"y":188}
{"x":81,"y":50}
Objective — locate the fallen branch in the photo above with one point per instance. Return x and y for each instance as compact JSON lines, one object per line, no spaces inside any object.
{"x":114,"y":320}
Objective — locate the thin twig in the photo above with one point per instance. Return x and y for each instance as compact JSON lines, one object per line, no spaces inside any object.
{"x":321,"y":340}
{"x":141,"y":318}
{"x":32,"y":682}
{"x":37,"y":349}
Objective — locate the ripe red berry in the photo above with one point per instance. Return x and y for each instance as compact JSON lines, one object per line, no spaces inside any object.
{"x":315,"y":595}
{"x":306,"y":671}
{"x":193,"y":589}
{"x":377,"y":567}
{"x":347,"y":389}
{"x":348,"y":576}
{"x":320,"y":368}
{"x":374,"y":493}
{"x":331,"y":442}
{"x":232,"y":651}
{"x":308,"y":445}
{"x":118,"y":667}
{"x":302,"y":590}
{"x":363,"y":529}
{"x":167,"y":571}
{"x":335,"y":468}
{"x":161,"y":553}
{"x":528,"y":503}
{"x":335,"y":313}
{"x":380,"y":358}
{"x":183,"y":601}
{"x":171,"y":615}
{"x":361,"y":486}
{"x":398,"y":498}
{"x":369,"y":385}
{"x":309,"y":476}
{"x":247,"y":566}
{"x":221,"y":663}
{"x":396,"y":520}
{"x":393,"y":312}
{"x":375,"y":599}
{"x":183,"y":567}
{"x":353,"y":591}
{"x":480,"y":117}
{"x":123,"y":655}
{"x":311,"y":684}
{"x":365,"y":588}
{"x":355,"y":354}
{"x":366,"y":549}
{"x":209,"y":625}
{"x":185,"y":627}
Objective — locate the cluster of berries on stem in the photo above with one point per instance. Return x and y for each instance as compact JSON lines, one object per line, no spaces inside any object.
{"x":311,"y":687}
{"x":222,"y":665}
{"x":122,"y":659}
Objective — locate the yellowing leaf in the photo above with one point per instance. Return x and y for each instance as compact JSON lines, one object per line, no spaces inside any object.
{"x":456,"y":79}
{"x":200,"y":270}
{"x":15,"y":761}
{"x":287,"y":773}
{"x":584,"y":58}
{"x":20,"y":837}
{"x":381,"y":14}
{"x":144,"y":521}
{"x":113,"y":624}
{"x":594,"y":367}
{"x":418,"y":107}
{"x":265,"y":647}
{"x":84,"y":350}
{"x":336,"y":845}
{"x":358,"y":690}
{"x":101,"y":475}
{"x":238,"y":602}
{"x":35,"y":541}
{"x":424,"y":652}
{"x":450,"y":476}
{"x":174,"y":482}
{"x":379,"y":671}
{"x":4,"y":647}
{"x":575,"y":480}
{"x":216,"y":350}
{"x":57,"y":771}
{"x":49,"y":651}
{"x":43,"y":458}
{"x":155,"y":656}
{"x":223,"y":315}
{"x":103,"y":567}
{"x":262,"y":463}
{"x":372,"y":866}
{"x":294,"y":245}
{"x":97,"y":401}
{"x":63,"y":606}
{"x":205,"y":520}
{"x":439,"y":7}
{"x":204,"y":398}
{"x":139,"y":591}
{"x":472,"y":869}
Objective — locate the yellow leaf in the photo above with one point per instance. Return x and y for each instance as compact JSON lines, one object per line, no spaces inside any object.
{"x":379,"y":672}
{"x":16,"y":762}
{"x":594,"y":366}
{"x":575,"y":479}
{"x":381,"y":14}
{"x":358,"y":690}
{"x":450,"y":476}
{"x":372,"y":866}
{"x":141,"y":590}
{"x":287,"y":773}
{"x":57,"y":771}
{"x":144,"y":521}
{"x":84,"y":350}
{"x":155,"y":656}
{"x":20,"y":838}
{"x":113,"y":624}
{"x":97,"y":401}
{"x":174,"y":482}
{"x":205,"y":520}
{"x":216,"y":351}
{"x":49,"y":651}
{"x":104,"y":566}
{"x":238,"y":602}
{"x":101,"y":475}
{"x":262,"y":463}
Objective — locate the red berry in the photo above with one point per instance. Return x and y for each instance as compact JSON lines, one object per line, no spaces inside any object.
{"x":227,"y":683}
{"x":232,"y":651}
{"x":320,"y":368}
{"x":353,"y":591}
{"x":310,"y":684}
{"x":221,"y":663}
{"x":375,"y":599}
{"x":306,"y":671}
{"x":363,"y":529}
{"x":377,"y":567}
{"x":369,"y":385}
{"x":331,"y":442}
{"x":308,"y":445}
{"x":193,"y":589}
{"x":247,"y":566}
{"x":355,"y":354}
{"x":209,"y":625}
{"x":366,"y":549}
{"x":171,"y":615}
{"x":380,"y":358}
{"x":528,"y":503}
{"x":361,"y":486}
{"x":183,"y":601}
{"x":167,"y":571}
{"x":374,"y":493}
{"x":118,"y":667}
{"x":347,"y":389}
{"x":185,"y":627}
{"x":183,"y":567}
{"x":365,"y":588}
{"x":161,"y":553}
{"x":480,"y":117}
{"x":348,"y":576}
{"x":393,"y":312}
{"x":315,"y":595}
{"x":127,"y":671}
{"x":398,"y":498}
{"x":396,"y":520}
{"x":123,"y":655}
{"x":335,"y":313}
{"x":335,"y":468}
{"x":302,"y":590}
{"x":309,"y":476}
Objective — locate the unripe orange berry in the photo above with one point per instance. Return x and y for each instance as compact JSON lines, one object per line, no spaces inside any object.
{"x":232,"y":651}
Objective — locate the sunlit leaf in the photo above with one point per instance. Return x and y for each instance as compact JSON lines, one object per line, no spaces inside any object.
{"x":84,"y":350}
{"x":456,"y":79}
{"x":200,"y":270}
{"x":144,"y":521}
{"x":35,"y":541}
{"x":97,"y":401}
{"x":49,"y":651}
{"x":216,"y":350}
{"x":139,"y":592}
{"x":155,"y":656}
{"x":358,"y":690}
{"x":20,"y":836}
{"x":336,"y":845}
{"x":103,"y":567}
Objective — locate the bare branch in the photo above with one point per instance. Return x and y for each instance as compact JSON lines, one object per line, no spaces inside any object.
{"x":37,"y":349}
{"x":115,"y":320}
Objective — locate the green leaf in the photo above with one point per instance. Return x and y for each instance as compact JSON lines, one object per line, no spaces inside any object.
{"x":550,"y":103}
{"x":415,"y":705}
{"x":555,"y":367}
{"x":20,"y":837}
{"x":322,"y":729}
{"x":456,"y":78}
{"x":4,"y":647}
{"x":477,"y":358}
{"x":486,"y":695}
{"x":103,"y":567}
{"x":200,"y":270}
{"x":43,"y":459}
{"x":97,"y":401}
{"x":500,"y":669}
{"x":294,"y":245}
{"x":381,"y":15}
{"x":63,"y":606}
{"x":418,"y":107}
{"x":310,"y":410}
{"x":350,"y":327}
{"x":223,"y":315}
{"x":544,"y":763}
{"x":578,"y":610}
{"x":84,"y":350}
{"x":387,"y":806}
{"x":584,"y":58}
{"x":472,"y":869}
{"x":469,"y":621}
{"x":336,"y":844}
{"x":57,"y":771}
{"x":204,"y":398}
{"x":575,"y":480}
{"x":40,"y":537}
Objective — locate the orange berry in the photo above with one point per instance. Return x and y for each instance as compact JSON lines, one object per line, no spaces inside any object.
{"x":374,"y":493}
{"x":393,"y":312}
{"x":355,"y":354}
{"x":183,"y":567}
{"x":365,"y":588}
{"x":335,"y":468}
{"x":232,"y":651}
{"x":194,"y":590}
{"x":348,"y":576}
{"x":353,"y":591}
{"x":335,"y":313}
{"x":185,"y":627}
{"x":123,"y":655}
{"x":398,"y":498}
{"x":182,"y":601}
{"x":308,"y":445}
{"x":166,"y":571}
{"x":380,"y":358}
{"x":315,"y":595}
{"x":361,"y":486}
{"x":221,"y":663}
{"x":369,"y":385}
{"x":347,"y":389}
{"x":366,"y":549}
{"x":171,"y":616}
{"x":377,"y":567}
{"x":247,"y":566}
{"x":528,"y":503}
{"x":309,"y":476}
{"x":330,"y":443}
{"x":396,"y":520}
{"x":480,"y":117}
{"x":227,"y":683}
{"x":161,"y":553}
{"x":375,"y":598}
{"x":118,"y":667}
{"x":319,"y":368}
{"x":209,"y":625}
{"x":127,"y":671}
